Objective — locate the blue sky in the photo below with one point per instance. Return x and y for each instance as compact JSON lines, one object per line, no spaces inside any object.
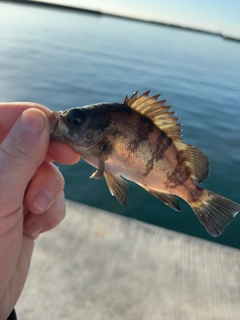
{"x":213,"y":15}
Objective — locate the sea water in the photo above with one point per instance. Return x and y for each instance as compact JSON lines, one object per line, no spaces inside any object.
{"x":65,"y":59}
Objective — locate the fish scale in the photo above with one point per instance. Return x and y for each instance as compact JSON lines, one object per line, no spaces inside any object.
{"x":140,"y":140}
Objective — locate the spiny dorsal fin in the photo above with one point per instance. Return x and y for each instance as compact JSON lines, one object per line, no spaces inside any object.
{"x":157,"y":112}
{"x":195,"y":160}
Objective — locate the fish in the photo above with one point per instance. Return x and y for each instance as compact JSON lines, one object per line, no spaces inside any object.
{"x":140,"y":140}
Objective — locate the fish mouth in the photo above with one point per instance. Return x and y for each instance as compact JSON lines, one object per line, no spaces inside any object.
{"x":54,"y":118}
{"x":58,"y":130}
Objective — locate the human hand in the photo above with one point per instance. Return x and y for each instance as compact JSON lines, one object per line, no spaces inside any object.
{"x":31,"y":191}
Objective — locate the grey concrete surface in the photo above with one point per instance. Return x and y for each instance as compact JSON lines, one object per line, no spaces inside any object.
{"x":101,"y":266}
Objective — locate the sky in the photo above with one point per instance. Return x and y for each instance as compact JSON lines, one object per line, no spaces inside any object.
{"x":213,"y":15}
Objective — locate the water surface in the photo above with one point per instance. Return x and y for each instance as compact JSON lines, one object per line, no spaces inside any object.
{"x":65,"y":59}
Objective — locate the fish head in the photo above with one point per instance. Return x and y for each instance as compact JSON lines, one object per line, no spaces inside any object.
{"x":82,"y":127}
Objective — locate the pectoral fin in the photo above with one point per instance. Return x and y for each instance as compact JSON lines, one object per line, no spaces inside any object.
{"x":117,"y":186}
{"x":101,"y":167}
{"x":167,"y":198}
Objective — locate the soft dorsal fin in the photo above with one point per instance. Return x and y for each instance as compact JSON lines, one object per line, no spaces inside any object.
{"x":157,"y":112}
{"x":195,"y":160}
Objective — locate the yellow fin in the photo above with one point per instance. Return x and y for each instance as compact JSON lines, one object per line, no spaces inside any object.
{"x":157,"y":112}
{"x":195,"y":160}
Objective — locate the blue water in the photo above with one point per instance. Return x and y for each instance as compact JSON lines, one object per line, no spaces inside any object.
{"x":64,"y":59}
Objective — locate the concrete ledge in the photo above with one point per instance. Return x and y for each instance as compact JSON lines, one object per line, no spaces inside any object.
{"x":102,"y":266}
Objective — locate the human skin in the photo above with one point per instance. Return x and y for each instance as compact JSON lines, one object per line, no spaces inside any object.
{"x":31,"y":191}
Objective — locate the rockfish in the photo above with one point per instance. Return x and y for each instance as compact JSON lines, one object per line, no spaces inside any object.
{"x":140,"y":140}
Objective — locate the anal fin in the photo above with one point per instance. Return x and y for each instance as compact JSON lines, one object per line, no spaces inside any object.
{"x":117,"y":186}
{"x":167,"y":198}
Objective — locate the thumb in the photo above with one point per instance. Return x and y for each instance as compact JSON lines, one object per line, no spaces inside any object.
{"x":21,"y":153}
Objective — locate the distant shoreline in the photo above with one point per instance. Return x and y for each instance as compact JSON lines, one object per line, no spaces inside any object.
{"x":99,"y":13}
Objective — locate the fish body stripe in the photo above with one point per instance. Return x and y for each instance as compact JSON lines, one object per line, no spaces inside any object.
{"x":141,"y":140}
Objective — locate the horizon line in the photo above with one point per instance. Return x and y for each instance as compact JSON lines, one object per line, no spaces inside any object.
{"x":119,"y":16}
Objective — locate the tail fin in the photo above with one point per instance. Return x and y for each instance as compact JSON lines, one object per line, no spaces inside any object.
{"x":215,"y":212}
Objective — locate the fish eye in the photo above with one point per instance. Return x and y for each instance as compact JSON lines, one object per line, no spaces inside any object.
{"x":76,"y":116}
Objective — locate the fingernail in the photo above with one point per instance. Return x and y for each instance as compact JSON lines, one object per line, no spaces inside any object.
{"x":33,"y":120}
{"x":41,"y":201}
{"x":35,"y":228}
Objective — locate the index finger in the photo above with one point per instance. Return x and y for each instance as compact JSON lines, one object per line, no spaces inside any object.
{"x":10,"y":112}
